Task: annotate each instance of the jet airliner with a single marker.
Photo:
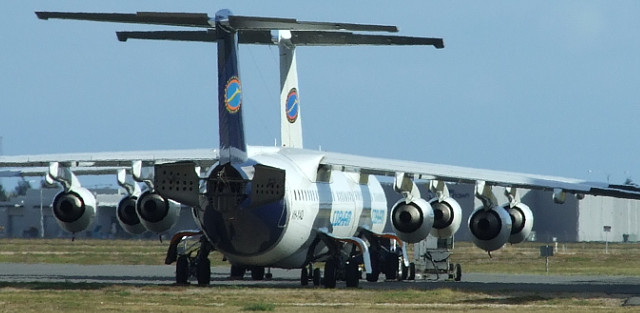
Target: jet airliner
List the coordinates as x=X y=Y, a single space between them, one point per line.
x=286 y=206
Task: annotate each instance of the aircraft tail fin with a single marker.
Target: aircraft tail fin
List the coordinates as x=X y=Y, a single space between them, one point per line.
x=230 y=30
x=290 y=121
x=233 y=147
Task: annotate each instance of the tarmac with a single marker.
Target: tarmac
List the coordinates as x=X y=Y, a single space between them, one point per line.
x=165 y=275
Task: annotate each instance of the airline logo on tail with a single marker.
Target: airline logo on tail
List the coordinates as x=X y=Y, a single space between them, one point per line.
x=292 y=105
x=233 y=95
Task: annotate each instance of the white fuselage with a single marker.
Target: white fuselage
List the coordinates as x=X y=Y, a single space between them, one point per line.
x=331 y=201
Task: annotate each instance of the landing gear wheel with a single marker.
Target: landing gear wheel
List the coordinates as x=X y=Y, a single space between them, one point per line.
x=330 y=272
x=412 y=271
x=391 y=267
x=182 y=270
x=317 y=277
x=404 y=272
x=257 y=273
x=237 y=272
x=203 y=272
x=458 y=273
x=373 y=277
x=352 y=275
x=304 y=277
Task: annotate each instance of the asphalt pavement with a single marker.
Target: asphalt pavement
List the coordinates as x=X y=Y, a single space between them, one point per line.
x=165 y=275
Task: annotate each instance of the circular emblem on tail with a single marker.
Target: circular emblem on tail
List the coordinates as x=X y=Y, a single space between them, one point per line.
x=292 y=105
x=233 y=95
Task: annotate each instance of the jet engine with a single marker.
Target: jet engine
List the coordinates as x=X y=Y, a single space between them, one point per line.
x=490 y=228
x=448 y=216
x=156 y=213
x=521 y=220
x=412 y=220
x=74 y=209
x=127 y=216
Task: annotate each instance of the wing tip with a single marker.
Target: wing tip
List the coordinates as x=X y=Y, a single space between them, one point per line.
x=42 y=15
x=122 y=36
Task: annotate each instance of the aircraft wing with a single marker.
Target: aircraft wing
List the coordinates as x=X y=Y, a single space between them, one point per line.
x=456 y=174
x=93 y=163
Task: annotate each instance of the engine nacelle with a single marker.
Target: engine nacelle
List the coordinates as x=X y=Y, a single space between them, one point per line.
x=521 y=222
x=412 y=221
x=447 y=217
x=75 y=209
x=156 y=213
x=127 y=216
x=490 y=229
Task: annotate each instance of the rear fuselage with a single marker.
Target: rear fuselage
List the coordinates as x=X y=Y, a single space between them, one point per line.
x=280 y=232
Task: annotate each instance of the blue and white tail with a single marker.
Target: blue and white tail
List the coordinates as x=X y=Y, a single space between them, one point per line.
x=231 y=128
x=290 y=121
x=228 y=31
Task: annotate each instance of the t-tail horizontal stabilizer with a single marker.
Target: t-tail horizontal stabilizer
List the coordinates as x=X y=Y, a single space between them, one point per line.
x=234 y=22
x=228 y=31
x=298 y=38
x=250 y=29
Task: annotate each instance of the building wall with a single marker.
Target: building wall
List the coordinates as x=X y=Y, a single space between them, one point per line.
x=596 y=212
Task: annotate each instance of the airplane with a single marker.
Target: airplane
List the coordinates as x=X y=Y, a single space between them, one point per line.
x=290 y=207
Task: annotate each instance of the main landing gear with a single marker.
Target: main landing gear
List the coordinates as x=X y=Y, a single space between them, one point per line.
x=345 y=255
x=182 y=248
x=257 y=272
x=334 y=271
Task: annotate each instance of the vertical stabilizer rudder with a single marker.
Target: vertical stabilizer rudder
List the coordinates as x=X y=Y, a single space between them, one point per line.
x=290 y=123
x=232 y=144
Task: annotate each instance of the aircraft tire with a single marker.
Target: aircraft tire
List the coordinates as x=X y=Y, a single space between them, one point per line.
x=304 y=277
x=352 y=275
x=257 y=273
x=391 y=267
x=237 y=272
x=182 y=270
x=404 y=272
x=203 y=272
x=457 y=276
x=412 y=271
x=373 y=277
x=317 y=277
x=330 y=272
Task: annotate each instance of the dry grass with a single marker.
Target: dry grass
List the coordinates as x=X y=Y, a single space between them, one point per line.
x=570 y=259
x=99 y=298
x=87 y=251
x=587 y=259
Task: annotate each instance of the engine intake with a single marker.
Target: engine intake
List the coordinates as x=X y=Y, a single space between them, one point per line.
x=156 y=213
x=522 y=222
x=412 y=220
x=490 y=228
x=127 y=216
x=448 y=216
x=75 y=209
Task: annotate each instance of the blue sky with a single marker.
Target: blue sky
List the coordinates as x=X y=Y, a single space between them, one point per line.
x=534 y=87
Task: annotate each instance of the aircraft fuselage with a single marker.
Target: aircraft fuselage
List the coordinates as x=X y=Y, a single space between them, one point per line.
x=280 y=231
